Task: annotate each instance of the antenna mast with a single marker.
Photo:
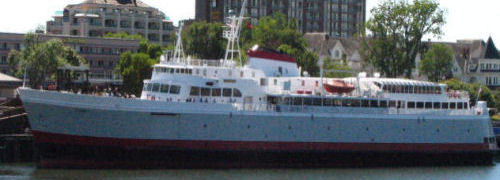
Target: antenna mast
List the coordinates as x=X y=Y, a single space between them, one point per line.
x=233 y=35
x=179 y=50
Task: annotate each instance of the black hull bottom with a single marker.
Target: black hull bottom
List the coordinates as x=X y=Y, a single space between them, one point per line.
x=92 y=157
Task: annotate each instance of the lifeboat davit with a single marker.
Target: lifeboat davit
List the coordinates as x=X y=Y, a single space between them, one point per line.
x=339 y=87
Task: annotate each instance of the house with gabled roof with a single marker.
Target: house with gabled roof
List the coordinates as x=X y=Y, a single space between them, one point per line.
x=345 y=50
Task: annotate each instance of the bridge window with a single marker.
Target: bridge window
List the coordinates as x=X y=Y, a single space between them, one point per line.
x=307 y=101
x=356 y=103
x=460 y=105
x=297 y=101
x=149 y=87
x=195 y=91
x=365 y=103
x=156 y=87
x=420 y=105
x=145 y=87
x=164 y=88
x=453 y=105
x=177 y=71
x=428 y=105
x=374 y=103
x=411 y=105
x=466 y=105
x=174 y=89
x=328 y=102
x=437 y=105
x=444 y=105
x=216 y=92
x=226 y=92
x=317 y=101
x=236 y=93
x=383 y=104
x=392 y=103
x=205 y=91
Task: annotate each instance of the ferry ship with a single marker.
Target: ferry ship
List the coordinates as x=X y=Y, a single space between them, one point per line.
x=217 y=113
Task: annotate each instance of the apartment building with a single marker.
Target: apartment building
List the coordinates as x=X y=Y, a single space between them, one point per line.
x=96 y=18
x=102 y=54
x=337 y=18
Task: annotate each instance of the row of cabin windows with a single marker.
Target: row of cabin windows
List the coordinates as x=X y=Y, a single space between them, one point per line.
x=438 y=105
x=190 y=71
x=412 y=89
x=162 y=88
x=173 y=70
x=215 y=92
x=298 y=101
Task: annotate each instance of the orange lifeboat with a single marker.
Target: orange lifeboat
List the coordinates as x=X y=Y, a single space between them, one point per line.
x=339 y=87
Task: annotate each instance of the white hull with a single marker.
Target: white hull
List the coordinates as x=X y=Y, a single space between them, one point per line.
x=87 y=116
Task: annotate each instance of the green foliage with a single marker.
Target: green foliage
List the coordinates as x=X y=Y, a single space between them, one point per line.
x=41 y=59
x=276 y=33
x=338 y=69
x=437 y=62
x=204 y=40
x=486 y=95
x=397 y=28
x=135 y=67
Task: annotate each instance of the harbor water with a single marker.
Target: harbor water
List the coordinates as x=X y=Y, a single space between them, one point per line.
x=29 y=171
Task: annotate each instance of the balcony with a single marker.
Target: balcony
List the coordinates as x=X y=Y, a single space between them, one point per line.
x=55 y=23
x=490 y=70
x=125 y=24
x=138 y=25
x=110 y=23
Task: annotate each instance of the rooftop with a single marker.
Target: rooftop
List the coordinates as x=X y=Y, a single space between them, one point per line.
x=137 y=3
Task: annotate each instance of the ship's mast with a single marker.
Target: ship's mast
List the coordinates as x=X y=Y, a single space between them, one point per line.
x=179 y=50
x=233 y=35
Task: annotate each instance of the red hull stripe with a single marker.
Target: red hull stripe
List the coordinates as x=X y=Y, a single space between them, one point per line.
x=271 y=56
x=43 y=137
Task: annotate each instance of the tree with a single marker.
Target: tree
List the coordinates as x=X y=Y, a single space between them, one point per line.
x=397 y=28
x=338 y=69
x=41 y=59
x=275 y=32
x=472 y=89
x=437 y=62
x=135 y=67
x=204 y=40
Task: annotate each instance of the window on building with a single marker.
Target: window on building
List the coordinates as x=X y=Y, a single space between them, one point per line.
x=3 y=60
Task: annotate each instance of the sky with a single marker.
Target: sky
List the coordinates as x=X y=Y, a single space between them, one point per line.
x=476 y=19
